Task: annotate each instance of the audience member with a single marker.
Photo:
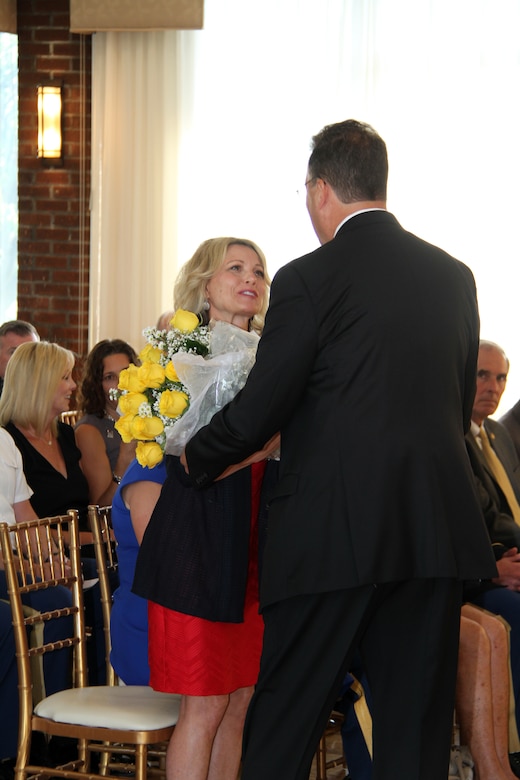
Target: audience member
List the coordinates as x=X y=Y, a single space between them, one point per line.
x=482 y=701
x=367 y=365
x=483 y=692
x=104 y=457
x=132 y=507
x=511 y=421
x=164 y=321
x=8 y=694
x=12 y=334
x=16 y=507
x=37 y=389
x=495 y=465
x=197 y=563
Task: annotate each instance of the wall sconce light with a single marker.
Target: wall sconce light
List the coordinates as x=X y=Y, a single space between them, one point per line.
x=49 y=122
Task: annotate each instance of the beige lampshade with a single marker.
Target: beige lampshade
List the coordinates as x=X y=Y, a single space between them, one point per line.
x=8 y=16
x=88 y=16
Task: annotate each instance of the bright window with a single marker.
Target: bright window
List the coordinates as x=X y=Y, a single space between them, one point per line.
x=8 y=175
x=240 y=101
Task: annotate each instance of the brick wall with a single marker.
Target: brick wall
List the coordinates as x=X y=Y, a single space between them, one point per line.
x=54 y=231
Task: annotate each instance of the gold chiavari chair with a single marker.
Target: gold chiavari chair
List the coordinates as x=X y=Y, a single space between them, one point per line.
x=106 y=559
x=70 y=418
x=35 y=557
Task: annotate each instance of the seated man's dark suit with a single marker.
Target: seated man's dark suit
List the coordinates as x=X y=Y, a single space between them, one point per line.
x=504 y=534
x=511 y=421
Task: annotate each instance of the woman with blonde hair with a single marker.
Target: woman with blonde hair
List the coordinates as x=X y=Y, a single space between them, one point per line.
x=38 y=387
x=191 y=286
x=198 y=561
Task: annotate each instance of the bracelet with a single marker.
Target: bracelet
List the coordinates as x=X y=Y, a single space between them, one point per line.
x=116 y=479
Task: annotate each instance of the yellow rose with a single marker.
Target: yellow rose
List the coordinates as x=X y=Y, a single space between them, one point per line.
x=150 y=354
x=172 y=403
x=151 y=374
x=146 y=428
x=171 y=373
x=185 y=321
x=148 y=453
x=124 y=427
x=130 y=403
x=129 y=379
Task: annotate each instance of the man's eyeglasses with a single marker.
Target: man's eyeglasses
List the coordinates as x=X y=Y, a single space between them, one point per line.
x=305 y=184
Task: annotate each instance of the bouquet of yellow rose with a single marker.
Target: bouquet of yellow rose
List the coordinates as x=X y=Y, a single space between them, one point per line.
x=187 y=374
x=151 y=396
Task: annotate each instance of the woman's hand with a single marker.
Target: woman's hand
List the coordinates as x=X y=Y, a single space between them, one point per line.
x=270 y=449
x=96 y=466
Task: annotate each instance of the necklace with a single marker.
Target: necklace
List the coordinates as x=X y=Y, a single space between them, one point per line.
x=49 y=442
x=109 y=417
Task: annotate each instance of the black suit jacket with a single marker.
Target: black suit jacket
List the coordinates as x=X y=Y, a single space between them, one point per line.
x=502 y=528
x=370 y=341
x=511 y=421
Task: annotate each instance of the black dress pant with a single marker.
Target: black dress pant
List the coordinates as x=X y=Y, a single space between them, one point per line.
x=407 y=636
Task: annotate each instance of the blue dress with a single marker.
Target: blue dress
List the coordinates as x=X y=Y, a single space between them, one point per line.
x=129 y=617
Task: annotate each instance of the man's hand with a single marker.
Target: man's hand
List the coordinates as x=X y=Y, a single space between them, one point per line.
x=509 y=570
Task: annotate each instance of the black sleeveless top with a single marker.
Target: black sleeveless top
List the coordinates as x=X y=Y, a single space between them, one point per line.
x=53 y=493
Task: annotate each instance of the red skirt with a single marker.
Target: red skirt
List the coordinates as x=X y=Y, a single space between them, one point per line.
x=197 y=657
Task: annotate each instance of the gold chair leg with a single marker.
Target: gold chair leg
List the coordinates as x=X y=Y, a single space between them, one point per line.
x=321 y=759
x=140 y=762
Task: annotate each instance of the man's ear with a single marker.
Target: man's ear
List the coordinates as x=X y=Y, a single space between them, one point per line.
x=322 y=193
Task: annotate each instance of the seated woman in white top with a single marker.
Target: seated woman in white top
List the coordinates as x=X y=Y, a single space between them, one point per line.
x=14 y=490
x=16 y=507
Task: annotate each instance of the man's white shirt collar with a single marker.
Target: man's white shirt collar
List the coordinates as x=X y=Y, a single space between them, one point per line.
x=475 y=428
x=361 y=211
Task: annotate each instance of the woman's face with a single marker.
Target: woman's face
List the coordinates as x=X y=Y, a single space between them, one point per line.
x=64 y=390
x=112 y=367
x=236 y=291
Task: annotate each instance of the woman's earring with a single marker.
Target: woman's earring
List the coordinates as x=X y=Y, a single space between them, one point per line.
x=205 y=306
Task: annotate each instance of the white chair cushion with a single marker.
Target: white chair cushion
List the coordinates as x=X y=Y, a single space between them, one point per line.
x=130 y=707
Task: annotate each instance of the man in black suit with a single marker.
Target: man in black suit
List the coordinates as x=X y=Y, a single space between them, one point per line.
x=500 y=494
x=492 y=371
x=367 y=366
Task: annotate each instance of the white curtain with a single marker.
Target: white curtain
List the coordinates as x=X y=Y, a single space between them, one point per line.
x=134 y=181
x=217 y=139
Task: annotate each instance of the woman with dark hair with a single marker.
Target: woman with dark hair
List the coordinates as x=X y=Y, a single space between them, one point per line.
x=104 y=457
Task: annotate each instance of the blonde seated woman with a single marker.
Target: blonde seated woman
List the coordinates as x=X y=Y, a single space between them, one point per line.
x=483 y=693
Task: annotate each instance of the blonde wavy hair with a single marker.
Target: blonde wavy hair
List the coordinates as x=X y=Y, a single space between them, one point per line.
x=31 y=379
x=190 y=286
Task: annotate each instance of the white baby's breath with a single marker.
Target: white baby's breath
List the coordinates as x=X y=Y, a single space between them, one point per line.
x=211 y=363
